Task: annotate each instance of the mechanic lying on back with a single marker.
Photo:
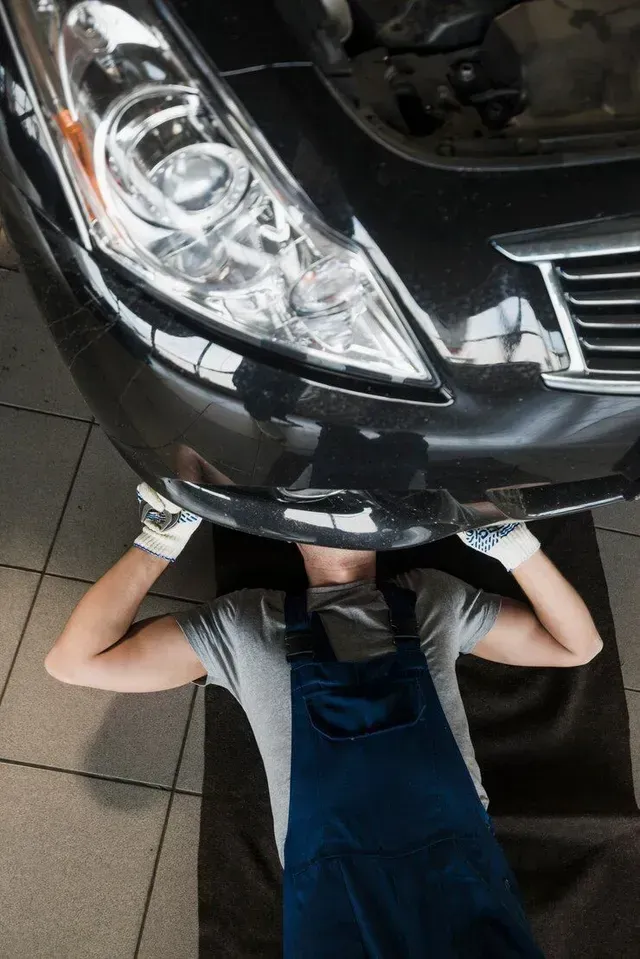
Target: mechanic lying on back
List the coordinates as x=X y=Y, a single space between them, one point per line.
x=389 y=851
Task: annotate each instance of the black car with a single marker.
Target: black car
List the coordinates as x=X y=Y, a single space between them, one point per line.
x=360 y=272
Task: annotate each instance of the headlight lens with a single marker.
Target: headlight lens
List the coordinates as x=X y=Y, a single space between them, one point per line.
x=176 y=189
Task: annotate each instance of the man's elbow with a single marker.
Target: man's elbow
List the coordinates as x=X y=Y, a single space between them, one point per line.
x=594 y=647
x=63 y=669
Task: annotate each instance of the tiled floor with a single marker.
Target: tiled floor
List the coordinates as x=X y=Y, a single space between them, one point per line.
x=100 y=793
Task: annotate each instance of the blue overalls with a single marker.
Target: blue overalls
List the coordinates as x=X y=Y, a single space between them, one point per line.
x=389 y=852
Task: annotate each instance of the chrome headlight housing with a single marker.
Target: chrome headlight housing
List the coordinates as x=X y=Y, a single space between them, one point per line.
x=173 y=183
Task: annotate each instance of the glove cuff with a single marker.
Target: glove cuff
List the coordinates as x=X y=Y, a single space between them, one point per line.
x=516 y=548
x=159 y=544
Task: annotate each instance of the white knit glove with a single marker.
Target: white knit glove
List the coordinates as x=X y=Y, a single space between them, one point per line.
x=510 y=544
x=166 y=528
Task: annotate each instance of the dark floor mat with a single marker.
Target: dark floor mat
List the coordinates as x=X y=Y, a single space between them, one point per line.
x=553 y=746
x=239 y=900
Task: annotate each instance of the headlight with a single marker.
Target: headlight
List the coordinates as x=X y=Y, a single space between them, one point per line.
x=176 y=188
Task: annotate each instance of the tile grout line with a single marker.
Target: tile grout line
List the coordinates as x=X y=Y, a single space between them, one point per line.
x=192 y=707
x=154 y=871
x=46 y=560
x=84 y=774
x=33 y=409
x=622 y=532
x=90 y=582
x=20 y=569
x=102 y=777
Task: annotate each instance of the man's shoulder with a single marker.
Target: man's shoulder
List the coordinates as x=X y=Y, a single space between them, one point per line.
x=248 y=601
x=241 y=616
x=436 y=590
x=425 y=577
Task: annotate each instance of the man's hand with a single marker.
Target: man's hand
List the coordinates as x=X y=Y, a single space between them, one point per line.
x=511 y=544
x=166 y=528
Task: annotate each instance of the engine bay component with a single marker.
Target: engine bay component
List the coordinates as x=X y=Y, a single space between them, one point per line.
x=339 y=13
x=568 y=60
x=497 y=81
x=440 y=24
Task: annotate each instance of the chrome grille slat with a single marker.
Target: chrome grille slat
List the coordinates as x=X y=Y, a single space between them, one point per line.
x=614 y=345
x=614 y=298
x=608 y=322
x=594 y=274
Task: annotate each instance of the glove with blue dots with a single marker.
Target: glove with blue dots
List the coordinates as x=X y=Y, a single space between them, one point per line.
x=511 y=544
x=166 y=528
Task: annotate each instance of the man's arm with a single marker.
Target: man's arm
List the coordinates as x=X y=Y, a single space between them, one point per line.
x=99 y=646
x=558 y=632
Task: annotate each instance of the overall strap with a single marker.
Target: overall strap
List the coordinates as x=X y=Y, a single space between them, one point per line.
x=402 y=615
x=305 y=637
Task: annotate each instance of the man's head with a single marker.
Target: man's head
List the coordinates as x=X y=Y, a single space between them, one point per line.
x=326 y=566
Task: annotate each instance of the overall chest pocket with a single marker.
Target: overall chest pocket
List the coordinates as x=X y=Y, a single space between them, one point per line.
x=350 y=712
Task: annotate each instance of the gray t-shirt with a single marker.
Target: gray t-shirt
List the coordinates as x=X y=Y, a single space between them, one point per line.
x=239 y=640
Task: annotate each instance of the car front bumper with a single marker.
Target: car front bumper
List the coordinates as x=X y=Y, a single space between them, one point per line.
x=362 y=519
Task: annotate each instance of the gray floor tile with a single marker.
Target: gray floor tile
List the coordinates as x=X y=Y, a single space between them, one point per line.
x=621 y=561
x=77 y=857
x=633 y=704
x=44 y=721
x=102 y=521
x=171 y=929
x=16 y=592
x=37 y=460
x=192 y=765
x=32 y=373
x=621 y=516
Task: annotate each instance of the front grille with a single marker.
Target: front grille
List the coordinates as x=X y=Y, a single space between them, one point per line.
x=602 y=294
